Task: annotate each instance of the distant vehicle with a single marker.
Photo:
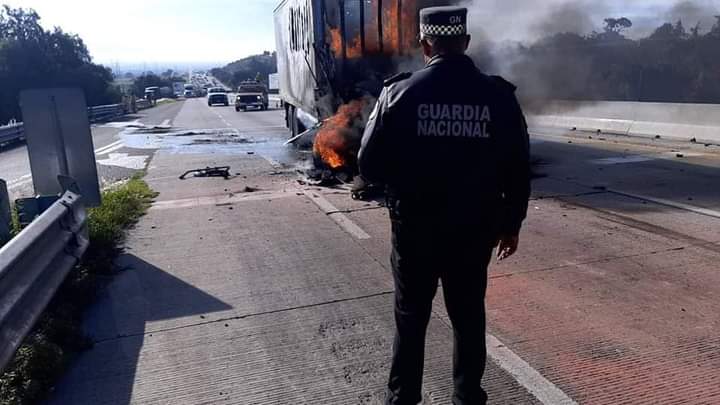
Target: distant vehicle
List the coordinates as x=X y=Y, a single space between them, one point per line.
x=152 y=93
x=212 y=90
x=250 y=93
x=178 y=88
x=250 y=100
x=165 y=92
x=189 y=90
x=218 y=98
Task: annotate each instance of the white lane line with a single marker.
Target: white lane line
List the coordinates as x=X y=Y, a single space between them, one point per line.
x=102 y=149
x=109 y=150
x=331 y=211
x=623 y=159
x=165 y=123
x=669 y=203
x=25 y=179
x=19 y=180
x=219 y=200
x=545 y=391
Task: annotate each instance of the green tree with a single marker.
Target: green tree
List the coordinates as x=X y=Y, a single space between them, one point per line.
x=32 y=57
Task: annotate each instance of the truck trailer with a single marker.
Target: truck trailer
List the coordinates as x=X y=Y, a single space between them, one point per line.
x=333 y=53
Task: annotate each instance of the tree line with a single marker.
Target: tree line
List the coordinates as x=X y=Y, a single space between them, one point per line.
x=33 y=57
x=672 y=64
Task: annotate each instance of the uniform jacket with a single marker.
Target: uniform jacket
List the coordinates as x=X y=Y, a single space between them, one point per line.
x=451 y=144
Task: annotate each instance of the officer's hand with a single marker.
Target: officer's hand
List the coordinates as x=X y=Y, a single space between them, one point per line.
x=507 y=246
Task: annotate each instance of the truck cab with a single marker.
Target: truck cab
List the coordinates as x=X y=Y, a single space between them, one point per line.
x=251 y=94
x=244 y=101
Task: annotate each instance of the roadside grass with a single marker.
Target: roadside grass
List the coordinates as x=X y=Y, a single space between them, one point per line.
x=58 y=336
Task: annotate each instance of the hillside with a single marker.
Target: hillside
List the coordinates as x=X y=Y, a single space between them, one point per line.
x=252 y=67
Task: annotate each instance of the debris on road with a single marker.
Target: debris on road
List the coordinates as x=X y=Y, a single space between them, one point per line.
x=220 y=171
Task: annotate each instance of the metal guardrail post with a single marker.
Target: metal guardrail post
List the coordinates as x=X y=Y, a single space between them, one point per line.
x=34 y=264
x=5 y=213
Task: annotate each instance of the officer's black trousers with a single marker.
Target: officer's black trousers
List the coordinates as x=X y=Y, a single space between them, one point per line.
x=458 y=256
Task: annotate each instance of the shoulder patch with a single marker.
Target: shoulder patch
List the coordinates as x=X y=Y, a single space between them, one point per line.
x=504 y=83
x=396 y=78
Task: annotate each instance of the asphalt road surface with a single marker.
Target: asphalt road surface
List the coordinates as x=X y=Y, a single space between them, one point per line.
x=258 y=289
x=115 y=160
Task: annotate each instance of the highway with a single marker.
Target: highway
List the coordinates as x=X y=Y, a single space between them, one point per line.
x=110 y=152
x=258 y=289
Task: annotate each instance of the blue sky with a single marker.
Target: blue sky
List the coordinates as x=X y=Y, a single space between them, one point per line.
x=162 y=32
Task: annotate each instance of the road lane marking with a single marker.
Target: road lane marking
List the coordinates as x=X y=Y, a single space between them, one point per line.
x=623 y=160
x=165 y=123
x=219 y=200
x=124 y=160
x=540 y=387
x=669 y=203
x=25 y=179
x=337 y=216
x=19 y=180
x=109 y=150
x=102 y=149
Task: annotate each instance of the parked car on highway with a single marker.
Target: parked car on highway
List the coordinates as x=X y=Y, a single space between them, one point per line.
x=218 y=98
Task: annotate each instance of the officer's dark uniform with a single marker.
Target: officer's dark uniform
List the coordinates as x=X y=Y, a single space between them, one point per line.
x=451 y=144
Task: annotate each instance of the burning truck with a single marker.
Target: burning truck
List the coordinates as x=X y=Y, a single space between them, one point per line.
x=333 y=56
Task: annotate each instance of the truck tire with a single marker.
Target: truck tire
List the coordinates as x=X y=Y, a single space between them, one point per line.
x=237 y=109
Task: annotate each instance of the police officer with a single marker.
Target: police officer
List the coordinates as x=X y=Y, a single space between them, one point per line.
x=451 y=145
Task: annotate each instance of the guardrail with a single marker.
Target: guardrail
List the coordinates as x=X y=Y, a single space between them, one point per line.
x=105 y=112
x=14 y=132
x=34 y=264
x=11 y=133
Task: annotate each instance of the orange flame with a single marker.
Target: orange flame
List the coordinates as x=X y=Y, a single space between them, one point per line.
x=332 y=142
x=390 y=29
x=410 y=23
x=353 y=48
x=336 y=41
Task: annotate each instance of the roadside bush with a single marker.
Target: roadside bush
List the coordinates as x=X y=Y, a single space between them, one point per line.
x=58 y=336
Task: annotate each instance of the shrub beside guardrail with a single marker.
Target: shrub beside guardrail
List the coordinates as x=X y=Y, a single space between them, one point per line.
x=34 y=264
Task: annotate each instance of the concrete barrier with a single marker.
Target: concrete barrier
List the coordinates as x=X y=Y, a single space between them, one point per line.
x=667 y=120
